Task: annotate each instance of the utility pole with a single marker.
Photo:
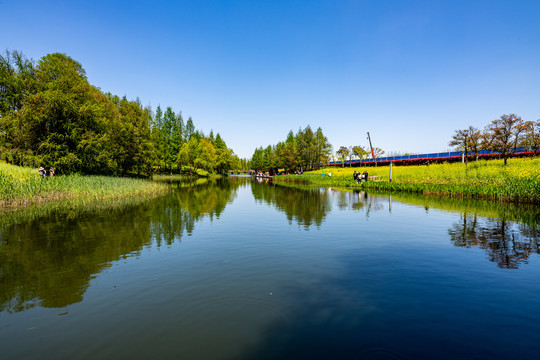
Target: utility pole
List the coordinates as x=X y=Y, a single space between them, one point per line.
x=371 y=146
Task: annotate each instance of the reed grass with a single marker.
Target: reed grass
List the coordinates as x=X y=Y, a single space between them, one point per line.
x=22 y=186
x=519 y=181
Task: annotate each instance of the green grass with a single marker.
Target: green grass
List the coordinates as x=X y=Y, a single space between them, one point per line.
x=519 y=181
x=21 y=186
x=200 y=174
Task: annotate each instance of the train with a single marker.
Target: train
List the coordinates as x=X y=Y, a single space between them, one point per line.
x=450 y=156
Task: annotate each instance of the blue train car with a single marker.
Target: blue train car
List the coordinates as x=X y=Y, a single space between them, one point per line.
x=430 y=157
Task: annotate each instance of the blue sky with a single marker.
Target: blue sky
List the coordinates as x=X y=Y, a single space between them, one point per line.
x=409 y=72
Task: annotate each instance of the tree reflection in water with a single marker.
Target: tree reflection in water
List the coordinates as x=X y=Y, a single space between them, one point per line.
x=309 y=206
x=49 y=261
x=305 y=206
x=508 y=244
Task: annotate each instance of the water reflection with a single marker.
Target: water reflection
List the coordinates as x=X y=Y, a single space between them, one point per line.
x=509 y=233
x=305 y=206
x=507 y=244
x=50 y=260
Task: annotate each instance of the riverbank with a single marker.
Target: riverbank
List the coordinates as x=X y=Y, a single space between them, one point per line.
x=199 y=174
x=487 y=179
x=22 y=186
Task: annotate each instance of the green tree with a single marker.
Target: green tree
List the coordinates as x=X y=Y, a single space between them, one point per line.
x=169 y=121
x=342 y=154
x=135 y=136
x=257 y=159
x=290 y=157
x=17 y=82
x=378 y=152
x=360 y=152
x=65 y=123
x=190 y=129
x=323 y=148
x=306 y=148
x=189 y=152
x=178 y=133
x=158 y=137
x=206 y=158
x=225 y=158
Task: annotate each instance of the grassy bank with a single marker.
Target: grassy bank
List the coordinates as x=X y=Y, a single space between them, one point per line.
x=200 y=174
x=519 y=181
x=20 y=186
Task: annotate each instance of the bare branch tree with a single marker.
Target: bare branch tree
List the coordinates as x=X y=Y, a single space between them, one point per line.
x=460 y=140
x=504 y=134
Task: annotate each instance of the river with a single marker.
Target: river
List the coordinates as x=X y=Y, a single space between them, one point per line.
x=236 y=269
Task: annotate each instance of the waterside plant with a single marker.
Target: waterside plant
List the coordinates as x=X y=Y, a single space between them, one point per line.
x=519 y=181
x=23 y=186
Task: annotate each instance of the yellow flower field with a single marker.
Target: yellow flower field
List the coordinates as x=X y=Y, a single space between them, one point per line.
x=519 y=181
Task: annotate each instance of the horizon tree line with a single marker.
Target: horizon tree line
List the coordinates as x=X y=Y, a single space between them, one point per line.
x=503 y=135
x=358 y=152
x=303 y=151
x=50 y=115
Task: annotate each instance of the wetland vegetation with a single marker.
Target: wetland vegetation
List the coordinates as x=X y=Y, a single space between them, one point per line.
x=518 y=181
x=23 y=186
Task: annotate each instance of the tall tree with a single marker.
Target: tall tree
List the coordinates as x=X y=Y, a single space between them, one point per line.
x=177 y=133
x=51 y=115
x=257 y=161
x=190 y=129
x=169 y=121
x=290 y=153
x=378 y=152
x=206 y=158
x=342 y=154
x=360 y=152
x=306 y=148
x=460 y=140
x=158 y=137
x=189 y=152
x=475 y=141
x=505 y=134
x=17 y=82
x=225 y=158
x=531 y=138
x=134 y=134
x=65 y=122
x=323 y=148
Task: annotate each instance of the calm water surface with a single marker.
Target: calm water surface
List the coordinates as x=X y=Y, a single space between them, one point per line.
x=241 y=270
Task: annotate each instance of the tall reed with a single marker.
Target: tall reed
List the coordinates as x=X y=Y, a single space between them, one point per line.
x=21 y=186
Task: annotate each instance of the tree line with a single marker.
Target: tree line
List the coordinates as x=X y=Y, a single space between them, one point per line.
x=503 y=135
x=50 y=115
x=358 y=152
x=304 y=151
